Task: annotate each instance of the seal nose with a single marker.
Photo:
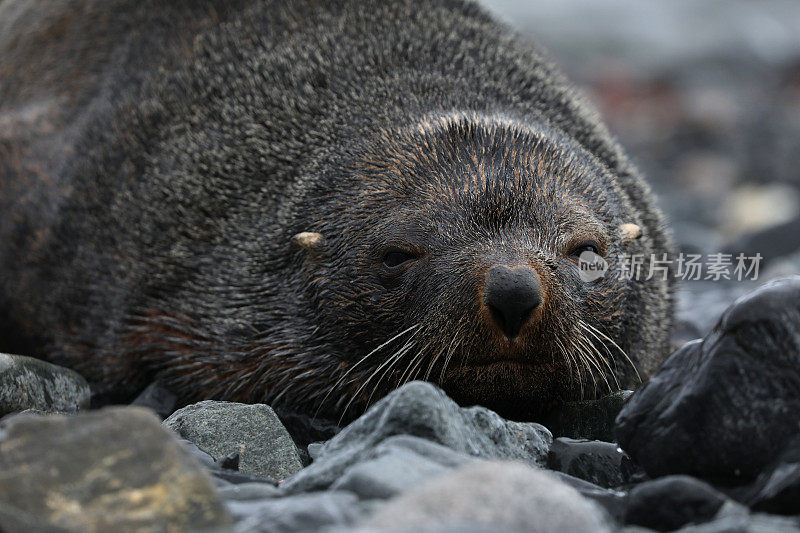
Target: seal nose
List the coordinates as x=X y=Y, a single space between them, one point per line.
x=512 y=294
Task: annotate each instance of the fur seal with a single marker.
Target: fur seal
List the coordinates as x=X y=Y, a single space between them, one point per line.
x=309 y=203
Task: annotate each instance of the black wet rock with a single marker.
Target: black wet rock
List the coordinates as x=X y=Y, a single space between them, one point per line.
x=672 y=502
x=300 y=513
x=599 y=462
x=777 y=489
x=508 y=495
x=220 y=428
x=725 y=407
x=589 y=419
x=159 y=398
x=306 y=429
x=28 y=383
x=112 y=469
x=423 y=410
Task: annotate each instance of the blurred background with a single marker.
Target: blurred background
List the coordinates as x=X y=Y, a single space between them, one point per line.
x=705 y=97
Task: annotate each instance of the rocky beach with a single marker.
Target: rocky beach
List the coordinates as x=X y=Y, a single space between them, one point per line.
x=708 y=104
x=710 y=443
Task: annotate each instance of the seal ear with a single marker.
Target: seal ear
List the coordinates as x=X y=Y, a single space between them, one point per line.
x=630 y=232
x=312 y=242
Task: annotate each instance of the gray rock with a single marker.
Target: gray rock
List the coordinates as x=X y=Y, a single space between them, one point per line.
x=423 y=410
x=112 y=469
x=220 y=428
x=590 y=419
x=28 y=383
x=733 y=518
x=503 y=494
x=397 y=464
x=726 y=407
x=300 y=513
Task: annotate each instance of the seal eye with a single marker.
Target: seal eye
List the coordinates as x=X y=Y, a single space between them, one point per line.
x=395 y=258
x=587 y=246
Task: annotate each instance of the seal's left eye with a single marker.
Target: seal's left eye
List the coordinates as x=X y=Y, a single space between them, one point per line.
x=588 y=246
x=396 y=257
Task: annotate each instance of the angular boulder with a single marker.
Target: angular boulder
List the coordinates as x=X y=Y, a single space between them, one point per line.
x=266 y=450
x=723 y=408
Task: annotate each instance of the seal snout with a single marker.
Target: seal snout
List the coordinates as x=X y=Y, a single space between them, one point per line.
x=512 y=294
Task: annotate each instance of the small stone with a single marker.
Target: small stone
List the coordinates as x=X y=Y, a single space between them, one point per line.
x=157 y=397
x=671 y=502
x=305 y=428
x=503 y=494
x=230 y=461
x=601 y=463
x=106 y=470
x=28 y=383
x=315 y=449
x=725 y=407
x=421 y=409
x=590 y=419
x=266 y=449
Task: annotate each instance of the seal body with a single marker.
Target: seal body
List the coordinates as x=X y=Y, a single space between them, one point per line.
x=309 y=203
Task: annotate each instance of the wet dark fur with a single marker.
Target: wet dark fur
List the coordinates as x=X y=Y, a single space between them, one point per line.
x=157 y=158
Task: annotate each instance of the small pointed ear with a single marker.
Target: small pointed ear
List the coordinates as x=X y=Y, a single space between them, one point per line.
x=630 y=232
x=309 y=241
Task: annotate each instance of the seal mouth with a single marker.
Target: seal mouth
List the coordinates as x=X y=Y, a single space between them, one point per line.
x=509 y=363
x=514 y=388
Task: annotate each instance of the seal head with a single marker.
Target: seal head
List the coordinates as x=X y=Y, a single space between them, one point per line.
x=454 y=258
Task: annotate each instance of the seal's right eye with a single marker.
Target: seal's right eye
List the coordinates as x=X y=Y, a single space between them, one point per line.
x=396 y=257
